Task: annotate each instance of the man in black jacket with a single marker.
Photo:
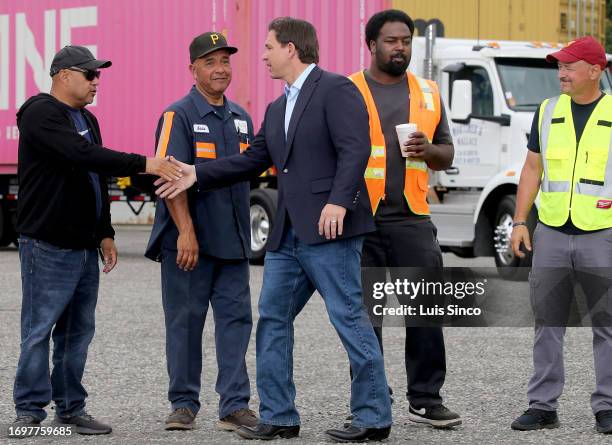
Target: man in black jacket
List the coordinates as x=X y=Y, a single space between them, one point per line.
x=63 y=216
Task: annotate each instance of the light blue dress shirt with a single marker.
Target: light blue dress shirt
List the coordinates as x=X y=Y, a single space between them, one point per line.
x=292 y=92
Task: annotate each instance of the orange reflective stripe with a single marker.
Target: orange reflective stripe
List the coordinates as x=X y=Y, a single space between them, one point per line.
x=206 y=150
x=427 y=120
x=164 y=135
x=425 y=111
x=376 y=162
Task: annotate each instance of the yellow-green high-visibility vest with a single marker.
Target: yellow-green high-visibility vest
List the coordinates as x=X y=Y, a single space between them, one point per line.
x=577 y=178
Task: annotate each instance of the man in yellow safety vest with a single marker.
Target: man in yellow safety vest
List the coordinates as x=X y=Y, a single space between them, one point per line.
x=569 y=163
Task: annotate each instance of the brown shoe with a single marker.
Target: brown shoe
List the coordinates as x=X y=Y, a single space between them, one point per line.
x=241 y=417
x=180 y=419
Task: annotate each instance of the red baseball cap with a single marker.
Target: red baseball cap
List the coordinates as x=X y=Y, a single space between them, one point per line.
x=585 y=48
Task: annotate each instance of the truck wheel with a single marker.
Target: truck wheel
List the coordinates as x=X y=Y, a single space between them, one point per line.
x=263 y=212
x=7 y=227
x=509 y=266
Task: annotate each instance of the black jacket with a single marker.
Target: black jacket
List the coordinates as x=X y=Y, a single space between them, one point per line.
x=56 y=199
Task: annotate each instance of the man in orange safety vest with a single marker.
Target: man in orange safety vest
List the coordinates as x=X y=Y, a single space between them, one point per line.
x=397 y=183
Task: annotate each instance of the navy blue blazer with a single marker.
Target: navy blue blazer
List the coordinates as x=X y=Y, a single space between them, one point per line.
x=322 y=160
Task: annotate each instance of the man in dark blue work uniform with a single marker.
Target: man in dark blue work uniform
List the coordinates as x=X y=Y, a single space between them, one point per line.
x=203 y=243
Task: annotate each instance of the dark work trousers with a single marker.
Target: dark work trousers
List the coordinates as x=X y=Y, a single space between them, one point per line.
x=411 y=246
x=224 y=284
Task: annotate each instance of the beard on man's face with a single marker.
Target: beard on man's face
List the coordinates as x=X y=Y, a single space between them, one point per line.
x=395 y=66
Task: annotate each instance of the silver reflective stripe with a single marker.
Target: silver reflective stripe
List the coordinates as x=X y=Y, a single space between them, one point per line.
x=375 y=173
x=378 y=151
x=427 y=93
x=555 y=186
x=417 y=165
x=424 y=85
x=605 y=190
x=546 y=119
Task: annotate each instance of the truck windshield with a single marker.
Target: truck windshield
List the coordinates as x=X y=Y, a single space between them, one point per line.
x=527 y=82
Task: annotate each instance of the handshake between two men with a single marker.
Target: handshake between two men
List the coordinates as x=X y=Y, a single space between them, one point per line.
x=330 y=223
x=172 y=184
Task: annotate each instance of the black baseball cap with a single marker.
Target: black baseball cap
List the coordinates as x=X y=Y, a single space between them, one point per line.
x=207 y=43
x=77 y=56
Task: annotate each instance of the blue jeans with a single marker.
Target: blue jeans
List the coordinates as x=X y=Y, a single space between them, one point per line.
x=60 y=291
x=291 y=275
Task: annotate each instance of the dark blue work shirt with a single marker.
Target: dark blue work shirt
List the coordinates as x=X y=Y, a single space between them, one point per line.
x=84 y=130
x=195 y=132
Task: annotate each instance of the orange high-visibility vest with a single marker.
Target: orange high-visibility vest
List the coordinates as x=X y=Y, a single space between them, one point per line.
x=425 y=112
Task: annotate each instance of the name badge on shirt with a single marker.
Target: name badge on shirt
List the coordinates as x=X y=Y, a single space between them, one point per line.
x=200 y=128
x=241 y=126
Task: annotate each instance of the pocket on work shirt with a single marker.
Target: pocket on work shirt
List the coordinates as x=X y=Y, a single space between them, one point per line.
x=596 y=164
x=557 y=158
x=205 y=148
x=244 y=141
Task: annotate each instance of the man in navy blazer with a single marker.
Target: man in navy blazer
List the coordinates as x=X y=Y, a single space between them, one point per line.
x=317 y=136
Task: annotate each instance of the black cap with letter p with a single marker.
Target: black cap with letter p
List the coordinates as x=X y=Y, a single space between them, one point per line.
x=207 y=43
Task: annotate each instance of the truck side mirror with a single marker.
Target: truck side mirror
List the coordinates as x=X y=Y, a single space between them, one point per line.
x=461 y=102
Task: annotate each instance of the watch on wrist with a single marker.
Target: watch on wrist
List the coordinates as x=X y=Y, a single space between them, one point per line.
x=519 y=223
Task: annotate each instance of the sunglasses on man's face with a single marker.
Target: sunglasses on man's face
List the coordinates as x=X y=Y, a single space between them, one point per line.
x=89 y=74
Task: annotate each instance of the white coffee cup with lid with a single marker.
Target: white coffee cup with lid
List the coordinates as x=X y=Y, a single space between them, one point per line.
x=403 y=134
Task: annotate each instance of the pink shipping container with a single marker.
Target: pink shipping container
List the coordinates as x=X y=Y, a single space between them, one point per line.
x=147 y=41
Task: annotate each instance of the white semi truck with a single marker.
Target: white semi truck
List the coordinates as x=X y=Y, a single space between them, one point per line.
x=491 y=91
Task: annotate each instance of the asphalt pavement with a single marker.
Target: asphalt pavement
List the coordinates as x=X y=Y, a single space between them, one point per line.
x=488 y=368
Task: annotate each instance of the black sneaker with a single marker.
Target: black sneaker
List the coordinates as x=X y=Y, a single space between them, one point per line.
x=20 y=427
x=437 y=416
x=536 y=419
x=603 y=421
x=85 y=424
x=180 y=419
